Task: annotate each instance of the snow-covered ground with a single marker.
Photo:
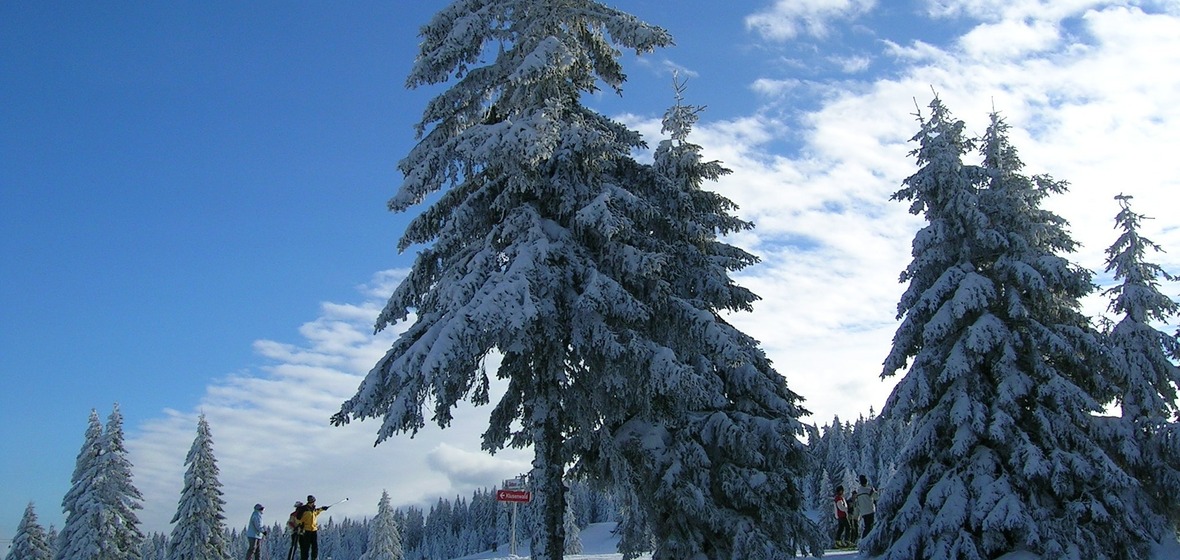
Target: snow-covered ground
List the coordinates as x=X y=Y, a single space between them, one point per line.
x=598 y=543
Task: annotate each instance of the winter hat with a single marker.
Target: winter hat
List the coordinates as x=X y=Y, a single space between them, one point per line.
x=298 y=503
x=310 y=499
x=257 y=506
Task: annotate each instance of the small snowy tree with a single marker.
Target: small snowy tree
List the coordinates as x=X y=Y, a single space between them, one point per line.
x=412 y=522
x=30 y=541
x=573 y=534
x=826 y=505
x=633 y=530
x=51 y=537
x=199 y=530
x=385 y=541
x=77 y=540
x=1004 y=374
x=155 y=547
x=1147 y=380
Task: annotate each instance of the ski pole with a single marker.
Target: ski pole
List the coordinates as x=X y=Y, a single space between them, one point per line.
x=340 y=502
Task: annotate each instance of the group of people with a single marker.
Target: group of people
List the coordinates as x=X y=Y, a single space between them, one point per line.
x=303 y=524
x=854 y=516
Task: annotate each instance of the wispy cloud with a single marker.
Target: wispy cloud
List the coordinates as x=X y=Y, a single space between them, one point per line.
x=788 y=19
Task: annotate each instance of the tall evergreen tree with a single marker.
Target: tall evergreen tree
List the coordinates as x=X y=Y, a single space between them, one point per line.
x=100 y=505
x=199 y=530
x=532 y=250
x=1147 y=380
x=30 y=541
x=1003 y=377
x=712 y=445
x=119 y=536
x=78 y=537
x=385 y=541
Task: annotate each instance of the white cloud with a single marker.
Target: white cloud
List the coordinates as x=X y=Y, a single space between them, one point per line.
x=775 y=88
x=853 y=64
x=996 y=10
x=1009 y=39
x=666 y=67
x=788 y=19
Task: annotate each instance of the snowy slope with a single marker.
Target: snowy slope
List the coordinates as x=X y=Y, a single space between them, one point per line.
x=599 y=544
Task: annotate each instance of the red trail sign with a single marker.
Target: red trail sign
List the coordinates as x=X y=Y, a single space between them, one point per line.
x=513 y=495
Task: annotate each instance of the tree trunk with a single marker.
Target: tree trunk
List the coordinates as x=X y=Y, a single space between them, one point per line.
x=548 y=474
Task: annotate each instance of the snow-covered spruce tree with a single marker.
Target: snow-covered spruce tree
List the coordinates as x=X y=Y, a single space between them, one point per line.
x=199 y=530
x=119 y=536
x=840 y=459
x=708 y=437
x=155 y=547
x=385 y=541
x=438 y=536
x=483 y=517
x=1147 y=380
x=100 y=505
x=77 y=539
x=412 y=525
x=579 y=499
x=1097 y=514
x=825 y=505
x=633 y=529
x=1003 y=375
x=30 y=541
x=514 y=255
x=573 y=534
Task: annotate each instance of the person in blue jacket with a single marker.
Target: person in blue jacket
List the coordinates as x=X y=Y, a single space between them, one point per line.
x=255 y=534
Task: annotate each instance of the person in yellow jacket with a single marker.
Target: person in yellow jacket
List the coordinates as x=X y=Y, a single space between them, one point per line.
x=309 y=523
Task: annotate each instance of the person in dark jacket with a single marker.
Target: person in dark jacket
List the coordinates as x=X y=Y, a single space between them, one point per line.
x=309 y=546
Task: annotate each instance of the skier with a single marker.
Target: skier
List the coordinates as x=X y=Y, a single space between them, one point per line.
x=866 y=504
x=295 y=528
x=309 y=546
x=853 y=519
x=255 y=534
x=842 y=528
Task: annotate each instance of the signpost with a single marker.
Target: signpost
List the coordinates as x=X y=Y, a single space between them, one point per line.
x=514 y=491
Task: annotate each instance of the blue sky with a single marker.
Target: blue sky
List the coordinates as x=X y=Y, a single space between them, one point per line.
x=192 y=207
